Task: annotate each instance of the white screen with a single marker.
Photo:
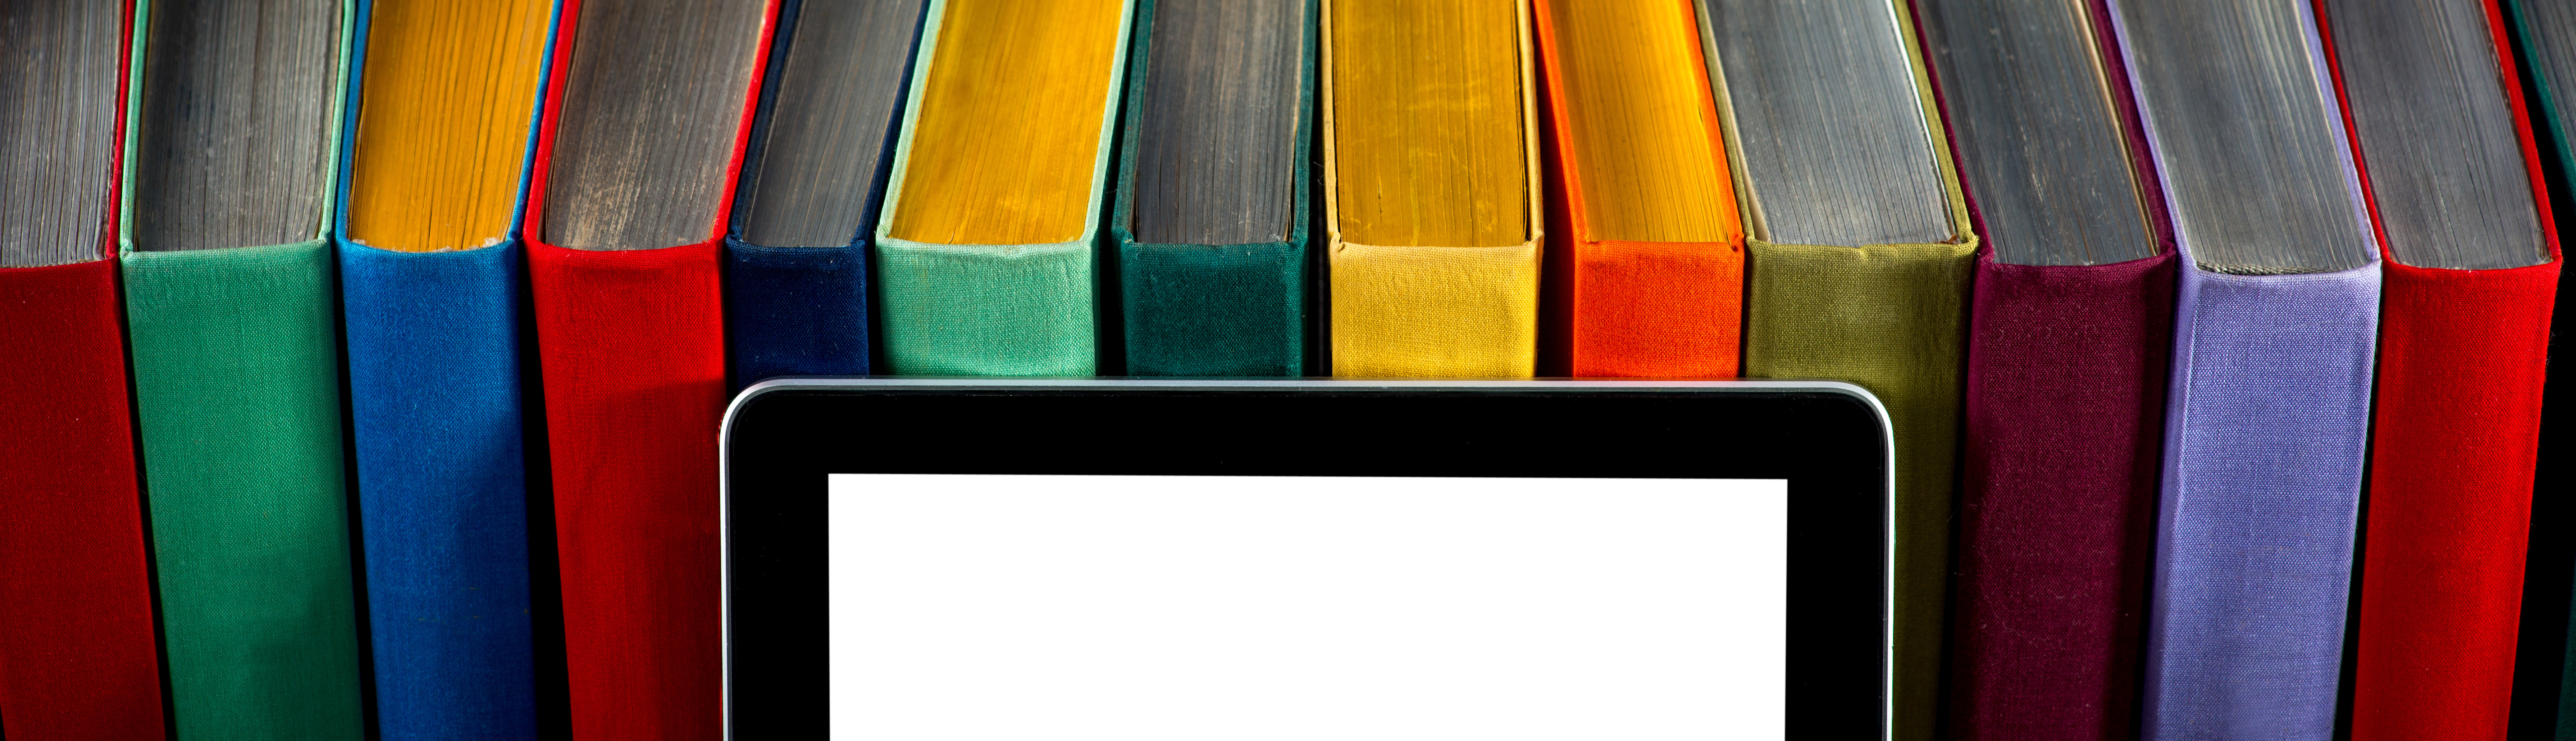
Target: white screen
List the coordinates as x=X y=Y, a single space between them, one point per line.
x=1214 y=608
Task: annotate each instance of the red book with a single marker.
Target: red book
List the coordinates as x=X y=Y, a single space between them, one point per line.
x=630 y=341
x=2454 y=442
x=78 y=658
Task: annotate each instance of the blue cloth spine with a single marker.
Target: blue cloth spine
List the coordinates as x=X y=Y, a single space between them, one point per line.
x=436 y=415
x=434 y=391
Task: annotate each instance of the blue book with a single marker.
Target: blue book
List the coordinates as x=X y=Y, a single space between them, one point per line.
x=431 y=268
x=796 y=268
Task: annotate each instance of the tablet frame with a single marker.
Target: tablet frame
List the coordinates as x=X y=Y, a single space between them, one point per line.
x=986 y=386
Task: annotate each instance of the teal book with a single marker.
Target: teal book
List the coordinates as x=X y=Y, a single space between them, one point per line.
x=1211 y=213
x=233 y=127
x=986 y=249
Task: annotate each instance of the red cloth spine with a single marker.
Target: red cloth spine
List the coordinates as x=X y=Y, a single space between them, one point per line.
x=78 y=658
x=632 y=351
x=2455 y=436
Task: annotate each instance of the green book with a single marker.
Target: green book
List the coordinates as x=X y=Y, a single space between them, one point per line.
x=230 y=163
x=1212 y=213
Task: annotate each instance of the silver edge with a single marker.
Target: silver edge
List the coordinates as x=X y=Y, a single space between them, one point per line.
x=1886 y=435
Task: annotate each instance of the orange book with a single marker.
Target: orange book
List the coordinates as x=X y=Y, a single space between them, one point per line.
x=1645 y=277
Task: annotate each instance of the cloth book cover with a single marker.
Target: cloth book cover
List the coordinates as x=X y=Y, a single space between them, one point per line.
x=2267 y=405
x=72 y=563
x=1892 y=318
x=793 y=311
x=1431 y=310
x=991 y=309
x=631 y=347
x=436 y=364
x=2057 y=481
x=1628 y=307
x=236 y=367
x=2454 y=442
x=1206 y=309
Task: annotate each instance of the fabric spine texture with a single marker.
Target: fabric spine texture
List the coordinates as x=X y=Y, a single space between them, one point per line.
x=985 y=309
x=434 y=389
x=632 y=349
x=2269 y=400
x=2057 y=498
x=796 y=311
x=1621 y=308
x=237 y=386
x=79 y=658
x=2455 y=441
x=1893 y=319
x=1210 y=310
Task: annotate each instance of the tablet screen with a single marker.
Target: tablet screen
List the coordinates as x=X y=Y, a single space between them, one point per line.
x=1298 y=607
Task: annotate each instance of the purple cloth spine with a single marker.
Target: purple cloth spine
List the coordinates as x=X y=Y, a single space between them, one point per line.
x=2267 y=416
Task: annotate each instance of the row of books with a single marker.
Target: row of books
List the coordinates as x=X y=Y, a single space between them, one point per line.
x=2147 y=287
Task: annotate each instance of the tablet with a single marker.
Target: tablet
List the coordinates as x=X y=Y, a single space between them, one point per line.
x=917 y=558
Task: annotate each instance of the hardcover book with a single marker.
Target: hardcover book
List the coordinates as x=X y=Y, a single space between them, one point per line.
x=1431 y=191
x=234 y=121
x=647 y=112
x=2069 y=326
x=1859 y=252
x=72 y=560
x=430 y=269
x=2268 y=400
x=986 y=264
x=1211 y=216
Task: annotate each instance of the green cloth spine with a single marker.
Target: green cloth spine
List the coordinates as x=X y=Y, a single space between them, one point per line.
x=237 y=394
x=991 y=309
x=1203 y=309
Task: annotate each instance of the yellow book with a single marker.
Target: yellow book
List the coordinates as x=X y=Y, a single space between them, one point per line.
x=1431 y=188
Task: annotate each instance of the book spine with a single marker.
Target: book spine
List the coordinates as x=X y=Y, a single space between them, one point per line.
x=2265 y=425
x=987 y=310
x=2456 y=439
x=237 y=386
x=796 y=311
x=1892 y=318
x=434 y=394
x=632 y=345
x=2057 y=496
x=78 y=658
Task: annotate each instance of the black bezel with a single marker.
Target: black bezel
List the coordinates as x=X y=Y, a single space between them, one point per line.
x=1828 y=440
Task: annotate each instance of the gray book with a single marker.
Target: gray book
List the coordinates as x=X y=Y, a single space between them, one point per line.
x=2437 y=130
x=646 y=127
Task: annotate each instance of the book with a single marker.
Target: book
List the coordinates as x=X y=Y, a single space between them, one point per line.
x=1212 y=212
x=2069 y=326
x=430 y=269
x=2544 y=42
x=1431 y=191
x=647 y=113
x=2267 y=408
x=1858 y=252
x=234 y=121
x=2469 y=254
x=796 y=288
x=1645 y=265
x=985 y=265
x=73 y=570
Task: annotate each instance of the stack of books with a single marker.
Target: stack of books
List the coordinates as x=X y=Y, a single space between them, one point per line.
x=2214 y=334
